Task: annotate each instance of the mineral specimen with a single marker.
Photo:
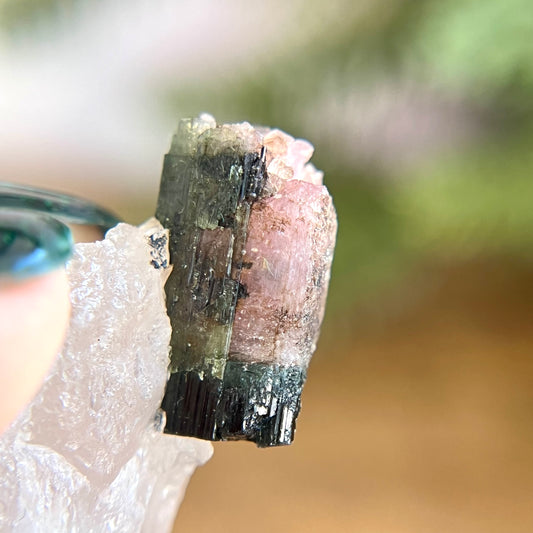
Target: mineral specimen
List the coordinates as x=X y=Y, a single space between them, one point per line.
x=252 y=232
x=89 y=454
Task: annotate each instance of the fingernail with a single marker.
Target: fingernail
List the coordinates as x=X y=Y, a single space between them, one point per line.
x=69 y=208
x=31 y=243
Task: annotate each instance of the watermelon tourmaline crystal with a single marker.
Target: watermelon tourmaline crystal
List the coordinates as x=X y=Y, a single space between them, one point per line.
x=252 y=232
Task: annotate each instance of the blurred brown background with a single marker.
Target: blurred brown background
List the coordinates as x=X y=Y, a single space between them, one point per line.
x=412 y=421
x=417 y=412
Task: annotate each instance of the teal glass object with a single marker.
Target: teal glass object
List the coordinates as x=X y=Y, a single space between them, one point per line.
x=34 y=235
x=32 y=243
x=70 y=209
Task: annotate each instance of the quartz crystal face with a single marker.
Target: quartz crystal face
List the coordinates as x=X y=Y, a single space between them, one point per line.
x=88 y=453
x=252 y=232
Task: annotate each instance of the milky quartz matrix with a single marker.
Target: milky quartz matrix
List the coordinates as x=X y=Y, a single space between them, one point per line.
x=88 y=454
x=252 y=232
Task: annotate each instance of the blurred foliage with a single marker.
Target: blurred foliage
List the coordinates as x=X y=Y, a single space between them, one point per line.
x=371 y=254
x=30 y=16
x=471 y=203
x=478 y=46
x=472 y=199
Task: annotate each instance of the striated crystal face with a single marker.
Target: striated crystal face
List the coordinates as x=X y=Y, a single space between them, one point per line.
x=88 y=454
x=288 y=255
x=252 y=232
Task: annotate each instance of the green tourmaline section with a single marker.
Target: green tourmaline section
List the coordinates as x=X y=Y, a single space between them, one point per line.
x=204 y=200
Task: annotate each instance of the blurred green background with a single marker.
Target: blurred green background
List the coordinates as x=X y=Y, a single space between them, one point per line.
x=417 y=414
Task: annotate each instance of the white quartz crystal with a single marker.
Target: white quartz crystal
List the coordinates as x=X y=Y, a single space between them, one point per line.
x=88 y=455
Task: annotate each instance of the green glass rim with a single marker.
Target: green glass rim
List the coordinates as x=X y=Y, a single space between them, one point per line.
x=70 y=209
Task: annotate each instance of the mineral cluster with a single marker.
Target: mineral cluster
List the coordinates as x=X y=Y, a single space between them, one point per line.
x=252 y=232
x=89 y=453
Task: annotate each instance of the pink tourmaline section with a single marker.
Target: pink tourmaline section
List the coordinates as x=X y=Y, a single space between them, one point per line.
x=286 y=268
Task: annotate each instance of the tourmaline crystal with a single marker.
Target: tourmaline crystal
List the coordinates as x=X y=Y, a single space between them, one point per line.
x=252 y=231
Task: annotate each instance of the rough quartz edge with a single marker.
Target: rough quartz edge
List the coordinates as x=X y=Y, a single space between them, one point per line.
x=88 y=453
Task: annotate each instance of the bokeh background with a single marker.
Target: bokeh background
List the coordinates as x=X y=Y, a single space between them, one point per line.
x=417 y=414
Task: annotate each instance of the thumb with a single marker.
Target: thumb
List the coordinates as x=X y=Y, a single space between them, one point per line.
x=34 y=317
x=34 y=304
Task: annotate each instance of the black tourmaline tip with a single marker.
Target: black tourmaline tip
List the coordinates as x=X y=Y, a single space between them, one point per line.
x=253 y=401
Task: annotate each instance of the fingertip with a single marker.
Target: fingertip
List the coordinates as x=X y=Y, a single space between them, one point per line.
x=35 y=315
